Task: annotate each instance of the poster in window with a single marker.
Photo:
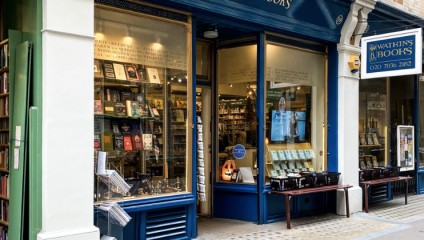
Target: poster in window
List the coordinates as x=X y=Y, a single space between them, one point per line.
x=405 y=147
x=287 y=123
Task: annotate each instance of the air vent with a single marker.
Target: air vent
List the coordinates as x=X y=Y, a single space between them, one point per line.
x=166 y=224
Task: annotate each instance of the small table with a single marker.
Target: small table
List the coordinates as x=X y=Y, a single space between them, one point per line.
x=384 y=180
x=291 y=193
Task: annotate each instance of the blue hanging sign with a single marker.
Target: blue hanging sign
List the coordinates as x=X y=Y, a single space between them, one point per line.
x=239 y=151
x=392 y=54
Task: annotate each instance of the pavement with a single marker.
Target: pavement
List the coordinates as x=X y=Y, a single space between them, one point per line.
x=387 y=220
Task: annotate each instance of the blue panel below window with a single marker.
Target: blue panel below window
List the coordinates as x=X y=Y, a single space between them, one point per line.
x=420 y=179
x=236 y=205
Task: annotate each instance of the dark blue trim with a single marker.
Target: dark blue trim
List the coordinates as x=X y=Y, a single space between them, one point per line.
x=296 y=43
x=156 y=199
x=201 y=83
x=228 y=187
x=160 y=205
x=260 y=113
x=193 y=208
x=333 y=106
x=417 y=124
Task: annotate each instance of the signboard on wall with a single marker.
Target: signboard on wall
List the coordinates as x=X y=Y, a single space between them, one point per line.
x=392 y=54
x=405 y=148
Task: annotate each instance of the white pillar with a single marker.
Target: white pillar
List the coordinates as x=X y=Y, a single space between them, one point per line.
x=67 y=145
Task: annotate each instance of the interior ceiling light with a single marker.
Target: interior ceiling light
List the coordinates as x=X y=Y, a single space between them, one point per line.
x=211 y=33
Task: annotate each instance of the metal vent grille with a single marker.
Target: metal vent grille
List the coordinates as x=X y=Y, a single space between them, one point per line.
x=296 y=43
x=237 y=41
x=136 y=7
x=166 y=224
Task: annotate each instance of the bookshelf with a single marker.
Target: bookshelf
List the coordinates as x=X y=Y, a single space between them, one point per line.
x=4 y=137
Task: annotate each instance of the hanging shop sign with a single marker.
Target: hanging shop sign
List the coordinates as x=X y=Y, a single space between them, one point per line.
x=392 y=54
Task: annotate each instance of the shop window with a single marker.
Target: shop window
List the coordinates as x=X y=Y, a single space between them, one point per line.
x=294 y=111
x=203 y=60
x=141 y=107
x=373 y=132
x=237 y=125
x=421 y=123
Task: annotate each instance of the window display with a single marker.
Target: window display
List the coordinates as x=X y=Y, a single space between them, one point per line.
x=237 y=125
x=294 y=111
x=373 y=123
x=141 y=108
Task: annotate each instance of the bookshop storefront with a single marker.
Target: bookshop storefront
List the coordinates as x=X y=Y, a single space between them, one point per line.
x=195 y=110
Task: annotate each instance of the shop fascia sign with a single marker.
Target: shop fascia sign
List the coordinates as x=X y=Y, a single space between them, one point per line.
x=392 y=54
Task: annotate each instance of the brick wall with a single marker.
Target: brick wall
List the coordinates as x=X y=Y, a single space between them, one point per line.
x=415 y=7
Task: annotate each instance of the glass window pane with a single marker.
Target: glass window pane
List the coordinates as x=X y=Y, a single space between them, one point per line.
x=202 y=60
x=421 y=124
x=295 y=109
x=237 y=114
x=373 y=141
x=140 y=106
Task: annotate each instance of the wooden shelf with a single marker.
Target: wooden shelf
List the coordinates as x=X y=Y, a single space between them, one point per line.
x=370 y=145
x=4 y=95
x=4 y=42
x=4 y=116
x=4 y=145
x=4 y=170
x=4 y=223
x=4 y=130
x=4 y=198
x=6 y=69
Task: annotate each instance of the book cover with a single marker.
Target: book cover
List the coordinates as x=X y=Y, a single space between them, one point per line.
x=144 y=110
x=281 y=155
x=288 y=155
x=98 y=107
x=159 y=104
x=374 y=161
x=307 y=154
x=137 y=143
x=135 y=126
x=109 y=107
x=106 y=141
x=312 y=153
x=120 y=109
x=274 y=156
x=113 y=95
x=362 y=138
x=108 y=70
x=294 y=155
x=127 y=142
x=276 y=166
x=147 y=141
x=375 y=138
x=119 y=71
x=131 y=72
x=119 y=142
x=98 y=72
x=124 y=126
x=156 y=113
x=97 y=142
x=179 y=115
x=147 y=127
x=126 y=96
x=115 y=127
x=132 y=109
x=153 y=75
x=139 y=97
x=301 y=154
x=369 y=138
x=143 y=75
x=105 y=125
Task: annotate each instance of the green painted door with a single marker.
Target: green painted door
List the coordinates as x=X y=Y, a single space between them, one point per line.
x=19 y=136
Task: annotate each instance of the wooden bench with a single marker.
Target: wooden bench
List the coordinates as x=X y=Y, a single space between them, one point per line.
x=367 y=184
x=291 y=193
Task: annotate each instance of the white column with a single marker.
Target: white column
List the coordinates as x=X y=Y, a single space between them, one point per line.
x=67 y=145
x=348 y=115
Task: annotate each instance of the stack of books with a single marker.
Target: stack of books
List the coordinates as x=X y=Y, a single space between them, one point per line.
x=4 y=56
x=115 y=213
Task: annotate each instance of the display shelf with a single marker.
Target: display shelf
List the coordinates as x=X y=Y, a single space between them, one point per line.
x=123 y=117
x=371 y=145
x=6 y=69
x=4 y=223
x=4 y=95
x=4 y=198
x=114 y=82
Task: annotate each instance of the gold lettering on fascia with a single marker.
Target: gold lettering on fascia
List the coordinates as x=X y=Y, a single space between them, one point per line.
x=401 y=48
x=284 y=3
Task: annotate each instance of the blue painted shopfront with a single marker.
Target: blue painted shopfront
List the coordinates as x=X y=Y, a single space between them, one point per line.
x=319 y=21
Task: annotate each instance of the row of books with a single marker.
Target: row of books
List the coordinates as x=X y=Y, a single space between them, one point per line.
x=3 y=233
x=4 y=106
x=130 y=109
x=5 y=184
x=4 y=56
x=4 y=123
x=4 y=82
x=129 y=142
x=4 y=210
x=4 y=138
x=125 y=126
x=4 y=159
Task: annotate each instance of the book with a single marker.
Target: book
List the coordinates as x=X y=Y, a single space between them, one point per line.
x=120 y=109
x=124 y=127
x=144 y=110
x=113 y=95
x=142 y=74
x=368 y=161
x=362 y=138
x=126 y=96
x=301 y=154
x=98 y=72
x=274 y=156
x=156 y=113
x=131 y=72
x=153 y=75
x=307 y=154
x=159 y=104
x=127 y=142
x=119 y=71
x=294 y=155
x=97 y=142
x=374 y=161
x=115 y=127
x=135 y=127
x=281 y=155
x=137 y=143
x=375 y=138
x=98 y=107
x=97 y=127
x=276 y=166
x=179 y=115
x=108 y=71
x=369 y=138
x=132 y=109
x=288 y=155
x=362 y=163
x=284 y=166
x=139 y=97
x=105 y=125
x=147 y=141
x=119 y=142
x=311 y=152
x=109 y=107
x=106 y=141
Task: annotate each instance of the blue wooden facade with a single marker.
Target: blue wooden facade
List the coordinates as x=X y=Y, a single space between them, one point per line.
x=319 y=21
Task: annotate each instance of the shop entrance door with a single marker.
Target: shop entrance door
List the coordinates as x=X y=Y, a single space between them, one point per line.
x=420 y=138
